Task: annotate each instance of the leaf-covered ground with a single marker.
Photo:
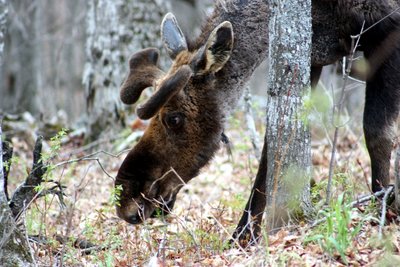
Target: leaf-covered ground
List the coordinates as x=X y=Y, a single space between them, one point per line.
x=86 y=232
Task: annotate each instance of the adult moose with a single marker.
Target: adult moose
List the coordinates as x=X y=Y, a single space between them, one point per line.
x=193 y=99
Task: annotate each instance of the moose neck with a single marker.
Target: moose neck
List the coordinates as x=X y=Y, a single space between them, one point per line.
x=250 y=26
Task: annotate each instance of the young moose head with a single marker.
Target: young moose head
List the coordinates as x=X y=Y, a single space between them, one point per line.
x=186 y=124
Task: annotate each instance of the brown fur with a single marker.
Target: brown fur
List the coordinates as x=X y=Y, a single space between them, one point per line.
x=145 y=173
x=143 y=72
x=187 y=121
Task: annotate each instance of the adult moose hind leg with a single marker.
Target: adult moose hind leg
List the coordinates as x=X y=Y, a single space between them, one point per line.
x=382 y=103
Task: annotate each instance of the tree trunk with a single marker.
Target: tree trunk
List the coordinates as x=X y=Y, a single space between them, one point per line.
x=115 y=30
x=14 y=250
x=3 y=22
x=44 y=58
x=287 y=135
x=19 y=89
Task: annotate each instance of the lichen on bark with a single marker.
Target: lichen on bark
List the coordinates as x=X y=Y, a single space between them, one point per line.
x=14 y=249
x=287 y=134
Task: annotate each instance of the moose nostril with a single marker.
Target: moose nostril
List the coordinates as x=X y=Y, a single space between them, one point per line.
x=134 y=219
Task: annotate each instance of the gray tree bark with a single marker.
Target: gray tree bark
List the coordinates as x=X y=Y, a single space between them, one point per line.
x=3 y=22
x=20 y=92
x=115 y=30
x=44 y=58
x=287 y=133
x=14 y=249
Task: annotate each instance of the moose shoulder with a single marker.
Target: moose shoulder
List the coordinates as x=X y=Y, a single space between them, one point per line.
x=194 y=97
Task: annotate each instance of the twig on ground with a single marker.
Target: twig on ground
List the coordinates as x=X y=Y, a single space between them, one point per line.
x=367 y=198
x=383 y=210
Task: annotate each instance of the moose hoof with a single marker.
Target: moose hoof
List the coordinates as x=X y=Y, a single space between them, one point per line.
x=245 y=237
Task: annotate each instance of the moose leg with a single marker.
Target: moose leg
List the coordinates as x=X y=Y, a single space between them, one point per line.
x=381 y=111
x=315 y=74
x=248 y=229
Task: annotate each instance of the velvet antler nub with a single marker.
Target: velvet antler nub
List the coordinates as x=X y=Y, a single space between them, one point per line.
x=143 y=71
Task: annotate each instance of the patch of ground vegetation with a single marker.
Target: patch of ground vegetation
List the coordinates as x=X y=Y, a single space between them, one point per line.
x=82 y=228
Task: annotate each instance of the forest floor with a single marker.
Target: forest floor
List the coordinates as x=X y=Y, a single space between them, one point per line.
x=87 y=232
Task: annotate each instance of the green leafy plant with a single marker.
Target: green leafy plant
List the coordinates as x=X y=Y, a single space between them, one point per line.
x=336 y=233
x=33 y=223
x=115 y=196
x=55 y=146
x=341 y=182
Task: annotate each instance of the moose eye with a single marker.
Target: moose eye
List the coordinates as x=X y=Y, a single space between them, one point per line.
x=174 y=120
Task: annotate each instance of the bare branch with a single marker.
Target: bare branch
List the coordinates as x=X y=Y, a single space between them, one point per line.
x=376 y=23
x=90 y=145
x=354 y=43
x=367 y=198
x=91 y=158
x=356 y=80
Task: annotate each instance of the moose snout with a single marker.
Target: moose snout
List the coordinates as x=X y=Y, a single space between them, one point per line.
x=129 y=215
x=136 y=211
x=133 y=219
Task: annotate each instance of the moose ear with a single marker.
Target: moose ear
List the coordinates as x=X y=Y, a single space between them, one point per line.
x=218 y=48
x=172 y=36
